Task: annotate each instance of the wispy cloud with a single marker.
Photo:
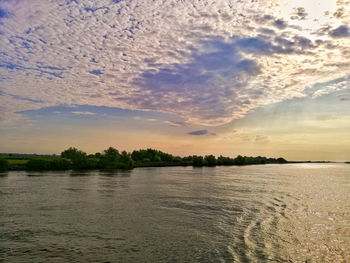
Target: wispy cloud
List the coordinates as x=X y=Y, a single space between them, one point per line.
x=261 y=139
x=83 y=113
x=176 y=123
x=333 y=86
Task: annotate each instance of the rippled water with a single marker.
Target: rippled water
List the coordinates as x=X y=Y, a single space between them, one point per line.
x=270 y=213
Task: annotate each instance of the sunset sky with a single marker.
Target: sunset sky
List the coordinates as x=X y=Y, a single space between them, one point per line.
x=225 y=77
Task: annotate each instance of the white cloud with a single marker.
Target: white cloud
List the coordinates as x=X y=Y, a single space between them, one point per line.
x=98 y=52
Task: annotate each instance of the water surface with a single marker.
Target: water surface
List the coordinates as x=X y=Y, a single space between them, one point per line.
x=268 y=213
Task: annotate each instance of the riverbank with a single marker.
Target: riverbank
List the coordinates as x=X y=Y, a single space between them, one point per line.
x=22 y=167
x=111 y=158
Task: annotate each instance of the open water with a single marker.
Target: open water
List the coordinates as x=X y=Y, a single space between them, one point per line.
x=261 y=213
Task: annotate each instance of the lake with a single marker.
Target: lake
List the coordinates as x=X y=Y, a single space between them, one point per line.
x=258 y=213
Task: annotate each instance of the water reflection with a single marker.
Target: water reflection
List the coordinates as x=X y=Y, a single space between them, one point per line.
x=82 y=173
x=45 y=173
x=110 y=173
x=268 y=213
x=113 y=173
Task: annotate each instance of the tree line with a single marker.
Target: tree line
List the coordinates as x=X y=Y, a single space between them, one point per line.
x=111 y=158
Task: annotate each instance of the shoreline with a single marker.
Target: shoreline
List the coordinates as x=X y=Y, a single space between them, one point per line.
x=21 y=168
x=112 y=159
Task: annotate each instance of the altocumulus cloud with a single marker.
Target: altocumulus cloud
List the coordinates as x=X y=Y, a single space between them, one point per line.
x=206 y=61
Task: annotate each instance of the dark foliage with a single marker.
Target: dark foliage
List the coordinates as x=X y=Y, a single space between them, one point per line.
x=38 y=165
x=197 y=161
x=4 y=165
x=60 y=164
x=78 y=158
x=210 y=160
x=111 y=158
x=151 y=155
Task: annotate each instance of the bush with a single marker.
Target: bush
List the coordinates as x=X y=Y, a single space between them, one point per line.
x=38 y=165
x=60 y=164
x=4 y=165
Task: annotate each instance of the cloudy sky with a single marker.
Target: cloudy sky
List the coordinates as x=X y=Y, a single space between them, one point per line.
x=184 y=76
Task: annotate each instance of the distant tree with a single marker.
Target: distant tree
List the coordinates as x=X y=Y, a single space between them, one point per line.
x=73 y=153
x=151 y=155
x=240 y=160
x=188 y=160
x=109 y=158
x=220 y=160
x=210 y=160
x=157 y=158
x=111 y=154
x=262 y=160
x=78 y=158
x=225 y=160
x=281 y=160
x=177 y=159
x=92 y=163
x=198 y=161
x=136 y=155
x=4 y=164
x=125 y=161
x=165 y=157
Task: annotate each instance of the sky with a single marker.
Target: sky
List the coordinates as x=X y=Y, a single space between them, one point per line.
x=187 y=77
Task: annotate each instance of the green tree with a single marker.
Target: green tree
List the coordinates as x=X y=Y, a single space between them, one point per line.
x=125 y=161
x=198 y=161
x=240 y=160
x=78 y=158
x=111 y=154
x=224 y=160
x=73 y=153
x=210 y=160
x=110 y=158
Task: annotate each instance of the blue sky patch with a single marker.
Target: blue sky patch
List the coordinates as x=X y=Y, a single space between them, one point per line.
x=96 y=72
x=3 y=13
x=96 y=111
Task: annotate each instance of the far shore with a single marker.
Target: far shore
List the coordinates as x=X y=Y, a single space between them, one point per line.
x=22 y=167
x=111 y=158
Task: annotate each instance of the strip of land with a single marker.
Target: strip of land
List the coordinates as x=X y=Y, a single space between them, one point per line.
x=111 y=158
